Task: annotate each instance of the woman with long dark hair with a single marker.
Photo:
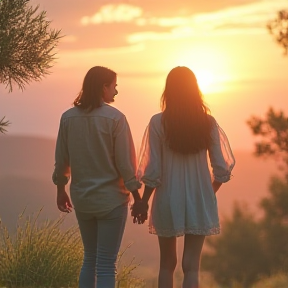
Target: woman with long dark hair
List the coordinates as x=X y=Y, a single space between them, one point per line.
x=95 y=147
x=174 y=163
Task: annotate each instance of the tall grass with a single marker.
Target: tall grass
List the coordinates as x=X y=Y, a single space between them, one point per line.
x=39 y=255
x=125 y=277
x=42 y=255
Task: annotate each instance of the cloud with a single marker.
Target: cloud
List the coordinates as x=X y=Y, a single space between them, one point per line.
x=113 y=13
x=245 y=19
x=131 y=24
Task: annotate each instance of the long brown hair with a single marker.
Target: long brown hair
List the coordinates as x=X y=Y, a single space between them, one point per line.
x=185 y=117
x=90 y=96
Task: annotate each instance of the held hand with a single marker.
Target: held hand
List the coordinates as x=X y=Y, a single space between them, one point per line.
x=63 y=202
x=139 y=212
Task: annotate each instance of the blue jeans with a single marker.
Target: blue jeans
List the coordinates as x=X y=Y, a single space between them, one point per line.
x=101 y=237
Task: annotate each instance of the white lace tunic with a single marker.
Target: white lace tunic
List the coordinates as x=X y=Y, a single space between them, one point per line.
x=184 y=201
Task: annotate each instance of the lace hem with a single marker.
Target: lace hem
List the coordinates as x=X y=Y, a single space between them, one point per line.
x=181 y=232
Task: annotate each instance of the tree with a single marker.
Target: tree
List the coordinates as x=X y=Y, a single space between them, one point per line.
x=26 y=46
x=273 y=133
x=236 y=255
x=248 y=249
x=274 y=143
x=279 y=29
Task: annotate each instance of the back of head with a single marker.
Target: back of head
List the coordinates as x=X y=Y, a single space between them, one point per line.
x=91 y=94
x=185 y=120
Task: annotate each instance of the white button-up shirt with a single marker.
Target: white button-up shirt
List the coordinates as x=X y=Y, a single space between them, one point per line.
x=96 y=149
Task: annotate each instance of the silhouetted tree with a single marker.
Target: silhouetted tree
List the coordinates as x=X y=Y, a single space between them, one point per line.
x=236 y=255
x=273 y=131
x=26 y=45
x=248 y=249
x=279 y=29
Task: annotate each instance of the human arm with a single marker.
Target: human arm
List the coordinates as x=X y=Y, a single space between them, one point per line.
x=150 y=168
x=125 y=156
x=221 y=156
x=61 y=174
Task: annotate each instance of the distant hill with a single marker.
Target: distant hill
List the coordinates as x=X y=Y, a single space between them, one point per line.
x=26 y=166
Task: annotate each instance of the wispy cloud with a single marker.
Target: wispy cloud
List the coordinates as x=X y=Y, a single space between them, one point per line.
x=113 y=13
x=244 y=19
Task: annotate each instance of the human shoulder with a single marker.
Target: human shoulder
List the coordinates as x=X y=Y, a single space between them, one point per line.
x=212 y=120
x=74 y=111
x=155 y=123
x=156 y=119
x=111 y=112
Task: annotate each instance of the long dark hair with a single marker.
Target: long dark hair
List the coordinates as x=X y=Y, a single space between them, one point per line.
x=90 y=96
x=185 y=117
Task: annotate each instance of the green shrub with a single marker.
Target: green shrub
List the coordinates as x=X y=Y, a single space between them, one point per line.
x=279 y=280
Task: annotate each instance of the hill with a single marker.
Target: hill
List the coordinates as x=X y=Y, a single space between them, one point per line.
x=26 y=165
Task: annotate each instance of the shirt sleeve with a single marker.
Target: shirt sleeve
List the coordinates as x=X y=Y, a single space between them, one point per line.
x=61 y=174
x=220 y=154
x=149 y=170
x=125 y=156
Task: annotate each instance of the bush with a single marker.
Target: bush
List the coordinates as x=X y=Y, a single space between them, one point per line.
x=279 y=280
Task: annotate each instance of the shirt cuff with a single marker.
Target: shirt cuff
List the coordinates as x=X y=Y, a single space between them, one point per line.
x=132 y=184
x=223 y=179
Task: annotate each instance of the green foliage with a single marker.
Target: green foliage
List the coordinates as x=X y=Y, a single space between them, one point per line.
x=236 y=256
x=279 y=280
x=248 y=249
x=3 y=125
x=42 y=255
x=125 y=277
x=279 y=29
x=27 y=43
x=39 y=255
x=274 y=225
x=273 y=131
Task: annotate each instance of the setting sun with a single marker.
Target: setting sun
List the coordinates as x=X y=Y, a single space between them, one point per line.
x=205 y=80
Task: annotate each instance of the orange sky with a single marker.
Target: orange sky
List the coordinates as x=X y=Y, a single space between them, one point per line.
x=240 y=68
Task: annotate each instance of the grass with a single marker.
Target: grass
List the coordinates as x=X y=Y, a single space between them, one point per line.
x=42 y=255
x=39 y=255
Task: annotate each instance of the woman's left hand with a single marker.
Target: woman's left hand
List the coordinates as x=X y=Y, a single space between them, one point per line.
x=63 y=202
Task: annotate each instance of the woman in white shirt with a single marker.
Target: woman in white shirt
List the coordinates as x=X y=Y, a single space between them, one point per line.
x=95 y=147
x=174 y=163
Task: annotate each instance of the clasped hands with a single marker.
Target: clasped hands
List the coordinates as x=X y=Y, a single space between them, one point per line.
x=139 y=211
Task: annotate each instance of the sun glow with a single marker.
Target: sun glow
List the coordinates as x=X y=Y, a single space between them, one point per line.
x=205 y=80
x=209 y=65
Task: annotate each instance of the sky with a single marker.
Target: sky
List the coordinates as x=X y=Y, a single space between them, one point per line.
x=239 y=66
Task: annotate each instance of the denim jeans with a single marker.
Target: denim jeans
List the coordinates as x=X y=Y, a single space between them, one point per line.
x=101 y=237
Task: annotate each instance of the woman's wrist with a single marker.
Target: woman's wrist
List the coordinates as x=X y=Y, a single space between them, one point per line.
x=136 y=195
